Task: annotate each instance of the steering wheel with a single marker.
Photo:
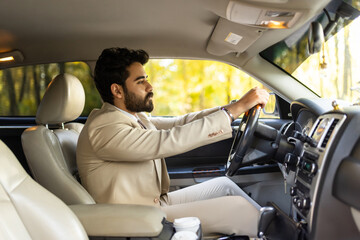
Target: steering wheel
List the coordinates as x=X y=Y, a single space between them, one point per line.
x=242 y=141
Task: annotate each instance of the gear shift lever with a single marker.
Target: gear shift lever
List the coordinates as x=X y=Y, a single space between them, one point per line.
x=267 y=214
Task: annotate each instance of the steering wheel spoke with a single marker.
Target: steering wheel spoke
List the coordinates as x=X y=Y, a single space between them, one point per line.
x=240 y=147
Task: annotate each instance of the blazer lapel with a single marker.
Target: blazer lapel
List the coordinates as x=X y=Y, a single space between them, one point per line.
x=157 y=162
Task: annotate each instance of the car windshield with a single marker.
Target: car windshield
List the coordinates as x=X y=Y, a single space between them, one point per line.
x=333 y=72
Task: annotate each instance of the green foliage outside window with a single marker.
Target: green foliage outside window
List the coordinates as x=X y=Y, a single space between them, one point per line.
x=183 y=86
x=22 y=88
x=180 y=86
x=331 y=73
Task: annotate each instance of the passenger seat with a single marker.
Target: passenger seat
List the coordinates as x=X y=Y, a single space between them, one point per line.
x=50 y=147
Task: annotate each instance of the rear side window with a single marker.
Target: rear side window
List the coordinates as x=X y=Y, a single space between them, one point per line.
x=22 y=88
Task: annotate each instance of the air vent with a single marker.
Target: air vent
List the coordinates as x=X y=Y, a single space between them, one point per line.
x=317 y=124
x=329 y=132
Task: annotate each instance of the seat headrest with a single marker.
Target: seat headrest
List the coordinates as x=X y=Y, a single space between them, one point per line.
x=63 y=101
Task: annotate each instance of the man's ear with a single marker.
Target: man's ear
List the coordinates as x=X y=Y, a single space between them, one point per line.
x=117 y=90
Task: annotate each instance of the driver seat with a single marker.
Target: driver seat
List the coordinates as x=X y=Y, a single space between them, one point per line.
x=28 y=211
x=50 y=147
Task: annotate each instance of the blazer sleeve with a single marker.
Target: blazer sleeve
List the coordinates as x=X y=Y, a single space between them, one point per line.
x=170 y=122
x=124 y=142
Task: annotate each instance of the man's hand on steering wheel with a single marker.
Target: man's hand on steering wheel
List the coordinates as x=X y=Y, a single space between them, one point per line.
x=255 y=99
x=252 y=98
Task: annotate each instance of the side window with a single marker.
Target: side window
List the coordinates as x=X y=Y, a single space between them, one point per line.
x=22 y=88
x=180 y=86
x=183 y=86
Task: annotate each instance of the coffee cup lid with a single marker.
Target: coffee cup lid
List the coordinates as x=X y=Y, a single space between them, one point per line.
x=186 y=222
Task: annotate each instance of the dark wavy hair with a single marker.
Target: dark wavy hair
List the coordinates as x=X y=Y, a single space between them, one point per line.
x=111 y=67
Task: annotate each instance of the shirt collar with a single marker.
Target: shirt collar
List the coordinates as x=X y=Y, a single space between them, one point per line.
x=126 y=113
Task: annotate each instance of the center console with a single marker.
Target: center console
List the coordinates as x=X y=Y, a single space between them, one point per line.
x=311 y=166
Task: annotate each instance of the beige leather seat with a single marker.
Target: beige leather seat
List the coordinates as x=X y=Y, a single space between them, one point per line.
x=50 y=147
x=28 y=211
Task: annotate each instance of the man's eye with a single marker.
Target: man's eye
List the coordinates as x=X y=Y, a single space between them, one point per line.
x=140 y=82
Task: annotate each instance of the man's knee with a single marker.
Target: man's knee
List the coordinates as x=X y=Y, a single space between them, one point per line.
x=229 y=186
x=222 y=181
x=238 y=215
x=237 y=202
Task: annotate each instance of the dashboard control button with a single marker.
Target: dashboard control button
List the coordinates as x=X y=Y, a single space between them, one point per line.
x=314 y=169
x=306 y=203
x=299 y=204
x=310 y=167
x=293 y=191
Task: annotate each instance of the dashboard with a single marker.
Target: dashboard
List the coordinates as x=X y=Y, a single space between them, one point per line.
x=325 y=196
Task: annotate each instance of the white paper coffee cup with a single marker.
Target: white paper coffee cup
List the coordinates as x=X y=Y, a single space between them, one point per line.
x=184 y=235
x=187 y=224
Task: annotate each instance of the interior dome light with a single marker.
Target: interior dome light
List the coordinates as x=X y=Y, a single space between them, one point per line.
x=11 y=57
x=273 y=24
x=7 y=59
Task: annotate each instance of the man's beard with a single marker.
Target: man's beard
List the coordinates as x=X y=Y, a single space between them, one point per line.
x=134 y=103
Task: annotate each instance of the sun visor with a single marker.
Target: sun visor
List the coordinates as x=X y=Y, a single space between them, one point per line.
x=232 y=37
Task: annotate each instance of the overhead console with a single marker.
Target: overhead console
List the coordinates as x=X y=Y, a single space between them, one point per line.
x=244 y=22
x=275 y=18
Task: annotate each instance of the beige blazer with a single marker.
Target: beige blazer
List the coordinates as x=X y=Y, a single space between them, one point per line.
x=120 y=162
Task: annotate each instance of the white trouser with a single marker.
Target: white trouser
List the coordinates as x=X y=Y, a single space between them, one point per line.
x=219 y=203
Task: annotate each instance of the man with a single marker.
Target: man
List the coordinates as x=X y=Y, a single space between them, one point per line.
x=121 y=151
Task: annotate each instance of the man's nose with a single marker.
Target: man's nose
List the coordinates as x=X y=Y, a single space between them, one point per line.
x=149 y=87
